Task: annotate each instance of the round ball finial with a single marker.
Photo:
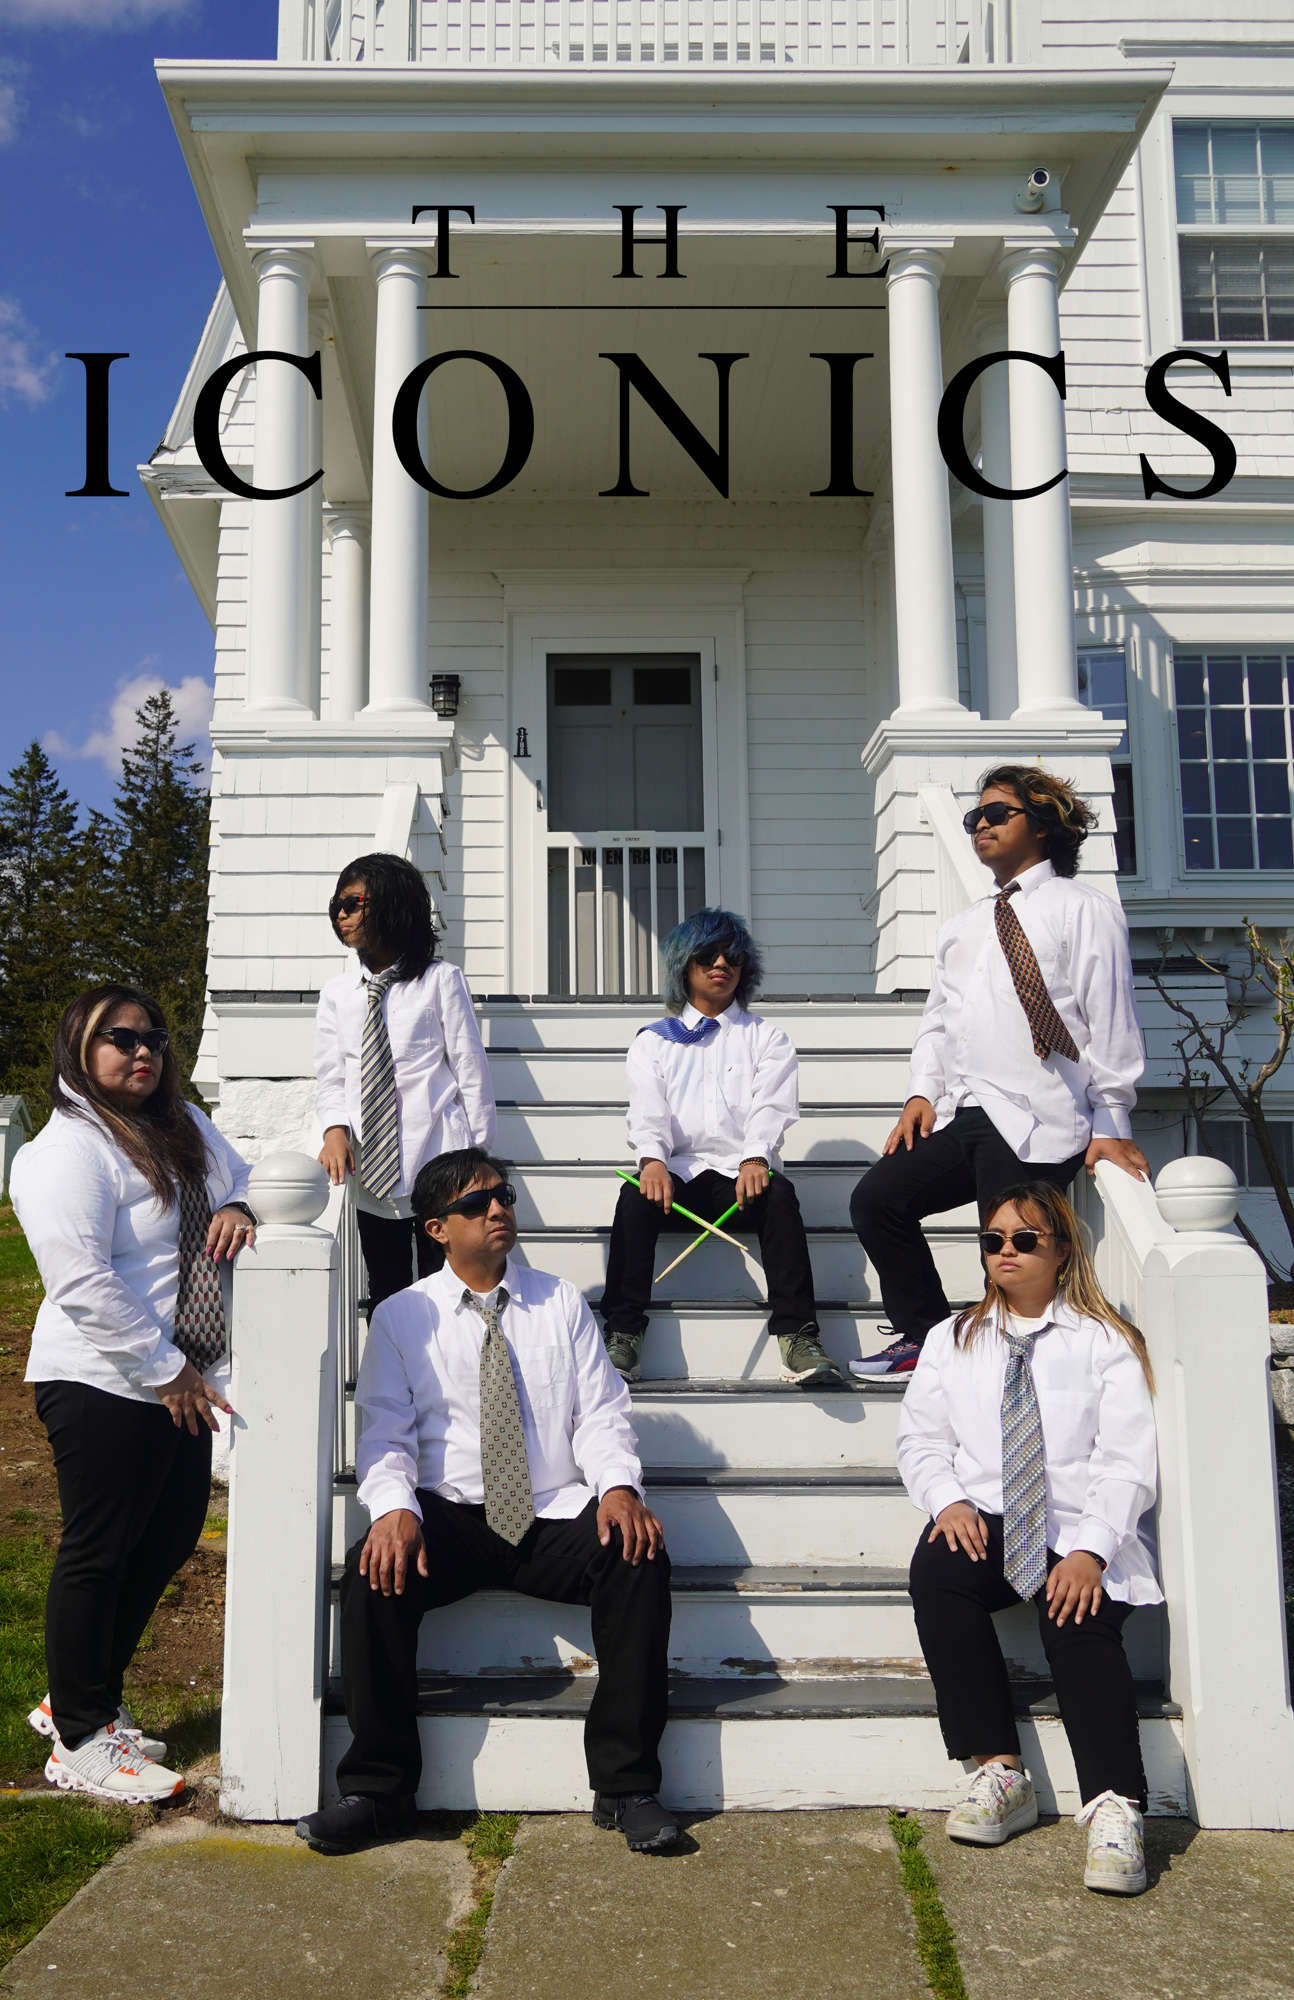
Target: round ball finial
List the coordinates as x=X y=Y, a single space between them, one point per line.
x=1197 y=1193
x=288 y=1188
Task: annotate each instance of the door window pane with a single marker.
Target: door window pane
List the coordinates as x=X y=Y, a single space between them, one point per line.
x=581 y=687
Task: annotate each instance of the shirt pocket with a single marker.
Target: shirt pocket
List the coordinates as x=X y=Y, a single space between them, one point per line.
x=415 y=1039
x=546 y=1377
x=1069 y=1424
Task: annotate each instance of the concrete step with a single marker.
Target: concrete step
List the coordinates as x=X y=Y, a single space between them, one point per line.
x=869 y=1740
x=721 y=1341
x=753 y=1424
x=553 y=1195
x=859 y=1022
x=597 y=1076
x=718 y=1271
x=794 y=1621
x=593 y=1132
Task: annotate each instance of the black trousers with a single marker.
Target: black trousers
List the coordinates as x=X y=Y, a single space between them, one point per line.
x=560 y=1560
x=968 y=1159
x=774 y=1216
x=954 y=1600
x=390 y=1244
x=134 y=1492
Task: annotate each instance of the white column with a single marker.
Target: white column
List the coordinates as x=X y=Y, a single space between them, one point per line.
x=398 y=666
x=283 y=668
x=923 y=549
x=348 y=534
x=999 y=540
x=1044 y=575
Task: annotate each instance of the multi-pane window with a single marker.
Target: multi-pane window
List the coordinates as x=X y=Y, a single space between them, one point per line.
x=1234 y=752
x=1235 y=228
x=1232 y=1140
x=1103 y=685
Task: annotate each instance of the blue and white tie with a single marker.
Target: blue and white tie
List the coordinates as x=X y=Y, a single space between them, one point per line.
x=1024 y=1475
x=378 y=1105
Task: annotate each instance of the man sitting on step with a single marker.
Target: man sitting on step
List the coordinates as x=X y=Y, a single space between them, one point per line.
x=1026 y=1062
x=495 y=1452
x=712 y=1090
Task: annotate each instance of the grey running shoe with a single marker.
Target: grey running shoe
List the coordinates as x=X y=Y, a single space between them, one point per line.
x=624 y=1350
x=805 y=1359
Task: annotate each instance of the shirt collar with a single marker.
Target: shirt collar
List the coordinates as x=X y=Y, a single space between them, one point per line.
x=731 y=1017
x=1031 y=879
x=454 y=1286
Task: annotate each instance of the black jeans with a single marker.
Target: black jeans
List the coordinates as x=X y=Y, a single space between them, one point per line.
x=954 y=1600
x=389 y=1244
x=775 y=1216
x=969 y=1159
x=560 y=1560
x=133 y=1489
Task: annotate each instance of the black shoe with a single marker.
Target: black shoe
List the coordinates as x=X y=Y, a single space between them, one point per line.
x=639 y=1816
x=358 y=1822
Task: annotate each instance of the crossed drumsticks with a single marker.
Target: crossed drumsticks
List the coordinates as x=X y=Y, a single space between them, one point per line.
x=707 y=1229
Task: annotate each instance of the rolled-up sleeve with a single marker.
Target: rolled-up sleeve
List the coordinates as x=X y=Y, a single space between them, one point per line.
x=604 y=1444
x=386 y=1460
x=467 y=1058
x=927 y=1443
x=1124 y=1469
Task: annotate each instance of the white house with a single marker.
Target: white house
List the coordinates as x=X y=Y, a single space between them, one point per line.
x=693 y=607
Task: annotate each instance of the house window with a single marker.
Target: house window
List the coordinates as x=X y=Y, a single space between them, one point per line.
x=1234 y=753
x=1232 y=1140
x=1235 y=230
x=1103 y=685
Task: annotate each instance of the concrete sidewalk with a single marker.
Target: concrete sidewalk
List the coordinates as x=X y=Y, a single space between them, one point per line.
x=795 y=1906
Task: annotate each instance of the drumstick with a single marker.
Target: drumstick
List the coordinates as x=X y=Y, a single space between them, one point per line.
x=699 y=1220
x=696 y=1243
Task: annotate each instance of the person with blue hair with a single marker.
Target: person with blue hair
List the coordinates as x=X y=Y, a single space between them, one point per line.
x=712 y=1090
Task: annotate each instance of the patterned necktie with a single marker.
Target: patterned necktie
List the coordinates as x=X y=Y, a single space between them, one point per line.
x=199 y=1308
x=505 y=1469
x=379 y=1122
x=1024 y=1478
x=1050 y=1035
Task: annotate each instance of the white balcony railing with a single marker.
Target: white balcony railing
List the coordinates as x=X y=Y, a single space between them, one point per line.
x=611 y=899
x=652 y=34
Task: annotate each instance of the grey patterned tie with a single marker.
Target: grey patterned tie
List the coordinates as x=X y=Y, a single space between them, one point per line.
x=378 y=1111
x=505 y=1469
x=199 y=1308
x=1024 y=1477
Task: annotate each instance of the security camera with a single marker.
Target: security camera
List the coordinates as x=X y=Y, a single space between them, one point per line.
x=1033 y=195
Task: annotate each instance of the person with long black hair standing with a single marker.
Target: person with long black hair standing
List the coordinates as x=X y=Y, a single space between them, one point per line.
x=399 y=1065
x=129 y=1198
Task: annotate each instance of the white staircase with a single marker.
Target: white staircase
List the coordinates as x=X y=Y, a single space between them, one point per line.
x=796 y=1675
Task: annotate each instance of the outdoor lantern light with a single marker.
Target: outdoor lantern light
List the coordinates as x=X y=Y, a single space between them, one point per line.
x=444 y=695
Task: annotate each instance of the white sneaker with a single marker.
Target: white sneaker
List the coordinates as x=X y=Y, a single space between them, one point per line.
x=1116 y=1849
x=41 y=1719
x=999 y=1802
x=109 y=1766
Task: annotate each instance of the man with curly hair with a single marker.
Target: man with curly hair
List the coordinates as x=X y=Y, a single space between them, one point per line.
x=712 y=1090
x=1026 y=1063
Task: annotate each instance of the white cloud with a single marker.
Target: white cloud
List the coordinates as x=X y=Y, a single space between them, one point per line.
x=12 y=103
x=89 y=13
x=24 y=372
x=191 y=701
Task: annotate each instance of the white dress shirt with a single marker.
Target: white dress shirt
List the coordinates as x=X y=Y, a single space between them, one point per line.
x=713 y=1103
x=419 y=1397
x=108 y=1255
x=975 y=1046
x=445 y=1099
x=1098 y=1435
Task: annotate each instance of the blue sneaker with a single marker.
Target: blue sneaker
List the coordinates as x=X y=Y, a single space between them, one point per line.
x=899 y=1358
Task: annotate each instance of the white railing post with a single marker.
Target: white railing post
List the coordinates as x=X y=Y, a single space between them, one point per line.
x=292 y=30
x=286 y=1299
x=1170 y=1261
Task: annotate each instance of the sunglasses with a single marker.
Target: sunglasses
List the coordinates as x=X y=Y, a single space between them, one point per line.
x=705 y=959
x=127 y=1040
x=480 y=1200
x=1026 y=1241
x=346 y=906
x=995 y=814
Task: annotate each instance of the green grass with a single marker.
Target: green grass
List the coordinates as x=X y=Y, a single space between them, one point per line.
x=25 y=1564
x=20 y=1291
x=48 y=1848
x=489 y=1842
x=936 y=1945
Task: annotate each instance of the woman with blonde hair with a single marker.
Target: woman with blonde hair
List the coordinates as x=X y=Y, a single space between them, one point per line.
x=1028 y=1438
x=129 y=1198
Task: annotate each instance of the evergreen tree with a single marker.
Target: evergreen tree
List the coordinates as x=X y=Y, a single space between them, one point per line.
x=40 y=959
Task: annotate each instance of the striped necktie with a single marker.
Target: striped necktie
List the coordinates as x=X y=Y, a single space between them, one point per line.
x=199 y=1308
x=1050 y=1035
x=1024 y=1476
x=505 y=1469
x=378 y=1104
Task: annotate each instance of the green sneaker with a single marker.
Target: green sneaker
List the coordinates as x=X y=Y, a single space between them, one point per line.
x=624 y=1350
x=805 y=1359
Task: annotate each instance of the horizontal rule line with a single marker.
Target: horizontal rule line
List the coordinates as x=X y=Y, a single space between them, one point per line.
x=447 y=306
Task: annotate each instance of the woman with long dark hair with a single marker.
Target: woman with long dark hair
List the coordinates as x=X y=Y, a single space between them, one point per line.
x=399 y=1065
x=129 y=1198
x=1028 y=1437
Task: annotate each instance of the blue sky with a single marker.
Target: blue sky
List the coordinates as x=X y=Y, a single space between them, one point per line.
x=103 y=249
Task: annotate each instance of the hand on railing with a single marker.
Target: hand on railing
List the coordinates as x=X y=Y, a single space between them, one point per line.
x=337 y=1155
x=1125 y=1153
